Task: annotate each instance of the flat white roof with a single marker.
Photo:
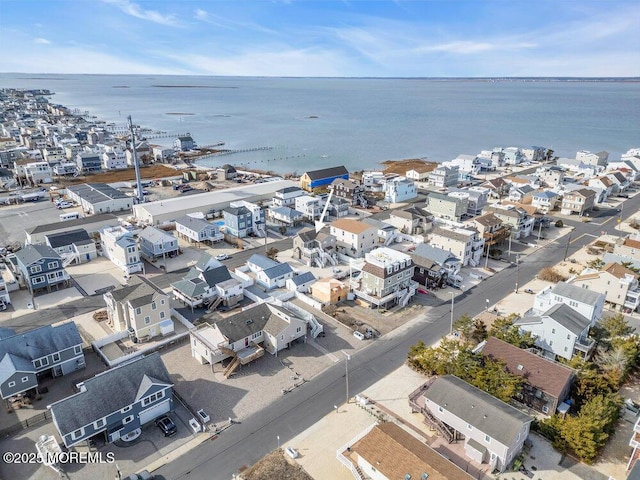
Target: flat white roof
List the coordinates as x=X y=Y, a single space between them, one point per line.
x=205 y=200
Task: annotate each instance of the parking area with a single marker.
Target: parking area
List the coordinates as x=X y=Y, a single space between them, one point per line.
x=96 y=275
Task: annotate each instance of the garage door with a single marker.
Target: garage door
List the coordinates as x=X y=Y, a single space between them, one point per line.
x=154 y=412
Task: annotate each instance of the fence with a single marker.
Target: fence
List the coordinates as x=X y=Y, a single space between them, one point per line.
x=28 y=423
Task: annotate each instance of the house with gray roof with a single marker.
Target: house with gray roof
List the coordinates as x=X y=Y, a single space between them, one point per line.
x=434 y=266
x=48 y=350
x=40 y=268
x=195 y=229
x=545 y=201
x=521 y=193
x=285 y=216
x=410 y=220
x=96 y=198
x=156 y=243
x=114 y=403
x=588 y=303
x=139 y=308
x=245 y=336
x=73 y=246
x=493 y=432
x=445 y=206
x=560 y=331
x=208 y=283
x=301 y=282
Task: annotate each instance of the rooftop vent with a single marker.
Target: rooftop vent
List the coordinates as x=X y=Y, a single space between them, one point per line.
x=248 y=322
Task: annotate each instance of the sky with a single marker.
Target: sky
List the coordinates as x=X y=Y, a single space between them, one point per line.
x=349 y=38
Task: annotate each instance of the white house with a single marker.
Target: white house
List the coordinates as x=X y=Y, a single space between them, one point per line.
x=584 y=301
x=197 y=229
x=560 y=331
x=466 y=244
x=493 y=432
x=120 y=246
x=353 y=238
x=399 y=189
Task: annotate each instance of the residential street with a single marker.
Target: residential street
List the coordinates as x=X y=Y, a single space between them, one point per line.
x=254 y=437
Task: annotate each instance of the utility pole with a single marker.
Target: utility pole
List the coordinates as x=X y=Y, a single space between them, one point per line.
x=135 y=161
x=517 y=271
x=566 y=250
x=346 y=373
x=451 y=329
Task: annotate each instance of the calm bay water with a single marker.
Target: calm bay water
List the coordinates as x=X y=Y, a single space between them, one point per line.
x=313 y=123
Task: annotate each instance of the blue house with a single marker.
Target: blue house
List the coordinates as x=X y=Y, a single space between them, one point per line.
x=46 y=350
x=116 y=402
x=322 y=178
x=155 y=243
x=41 y=268
x=238 y=221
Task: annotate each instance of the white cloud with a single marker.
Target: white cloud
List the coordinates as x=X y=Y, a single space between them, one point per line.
x=201 y=14
x=135 y=10
x=465 y=47
x=41 y=41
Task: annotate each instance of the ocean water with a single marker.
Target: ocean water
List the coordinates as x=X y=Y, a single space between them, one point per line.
x=316 y=123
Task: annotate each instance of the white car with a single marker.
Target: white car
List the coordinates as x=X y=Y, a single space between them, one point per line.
x=62 y=205
x=222 y=256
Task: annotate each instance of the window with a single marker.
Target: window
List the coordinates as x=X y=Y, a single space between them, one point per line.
x=152 y=398
x=551 y=343
x=553 y=330
x=565 y=349
x=568 y=336
x=37 y=280
x=25 y=379
x=161 y=314
x=147 y=320
x=128 y=419
x=12 y=384
x=56 y=357
x=35 y=269
x=125 y=409
x=138 y=311
x=52 y=265
x=77 y=434
x=487 y=438
x=99 y=423
x=162 y=302
x=153 y=305
x=298 y=329
x=41 y=362
x=77 y=349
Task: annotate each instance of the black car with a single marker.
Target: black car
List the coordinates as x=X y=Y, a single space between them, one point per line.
x=167 y=426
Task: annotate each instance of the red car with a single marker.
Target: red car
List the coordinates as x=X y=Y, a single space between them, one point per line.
x=422 y=290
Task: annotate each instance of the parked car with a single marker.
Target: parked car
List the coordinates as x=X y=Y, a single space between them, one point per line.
x=528 y=290
x=222 y=256
x=62 y=205
x=167 y=426
x=143 y=475
x=423 y=291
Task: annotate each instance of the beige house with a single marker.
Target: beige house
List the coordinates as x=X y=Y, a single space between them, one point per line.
x=246 y=335
x=466 y=244
x=446 y=206
x=491 y=228
x=578 y=201
x=353 y=238
x=329 y=291
x=419 y=173
x=619 y=285
x=140 y=308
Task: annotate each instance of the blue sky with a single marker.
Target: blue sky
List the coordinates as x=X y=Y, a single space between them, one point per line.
x=401 y=38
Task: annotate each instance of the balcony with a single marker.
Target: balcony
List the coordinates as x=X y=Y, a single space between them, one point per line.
x=632 y=300
x=584 y=346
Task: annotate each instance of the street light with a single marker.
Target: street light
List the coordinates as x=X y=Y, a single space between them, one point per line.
x=336 y=407
x=487 y=304
x=346 y=372
x=278 y=438
x=451 y=330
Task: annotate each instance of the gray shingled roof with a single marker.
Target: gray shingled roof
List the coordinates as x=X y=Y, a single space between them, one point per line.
x=262 y=262
x=27 y=346
x=109 y=392
x=155 y=235
x=566 y=316
x=278 y=270
x=195 y=224
x=34 y=253
x=246 y=323
x=74 y=223
x=438 y=255
x=190 y=288
x=139 y=292
x=303 y=278
x=327 y=173
x=216 y=275
x=574 y=292
x=62 y=239
x=486 y=413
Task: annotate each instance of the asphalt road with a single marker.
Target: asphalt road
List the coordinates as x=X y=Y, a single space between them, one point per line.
x=254 y=437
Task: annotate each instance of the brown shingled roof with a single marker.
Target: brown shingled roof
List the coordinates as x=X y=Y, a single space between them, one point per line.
x=618 y=270
x=396 y=453
x=628 y=242
x=351 y=226
x=547 y=376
